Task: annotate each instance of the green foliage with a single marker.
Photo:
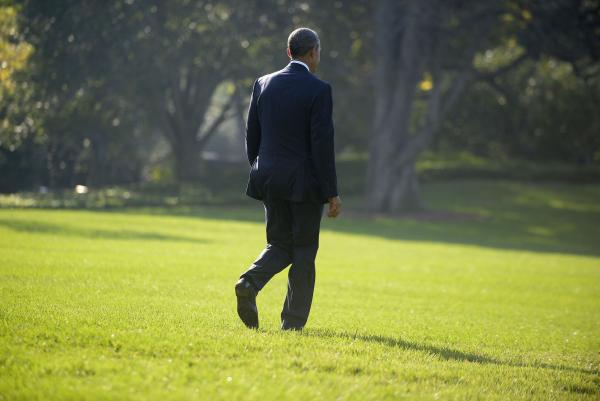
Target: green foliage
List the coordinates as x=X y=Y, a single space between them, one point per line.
x=541 y=111
x=14 y=53
x=154 y=67
x=108 y=197
x=140 y=303
x=89 y=89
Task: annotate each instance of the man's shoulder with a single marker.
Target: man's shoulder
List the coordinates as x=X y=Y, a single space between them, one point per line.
x=261 y=80
x=311 y=80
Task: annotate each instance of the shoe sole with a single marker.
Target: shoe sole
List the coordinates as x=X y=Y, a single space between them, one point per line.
x=244 y=307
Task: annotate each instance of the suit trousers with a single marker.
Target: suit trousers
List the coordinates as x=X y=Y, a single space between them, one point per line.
x=292 y=238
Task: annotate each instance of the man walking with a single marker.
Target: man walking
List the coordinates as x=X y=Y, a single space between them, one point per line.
x=290 y=148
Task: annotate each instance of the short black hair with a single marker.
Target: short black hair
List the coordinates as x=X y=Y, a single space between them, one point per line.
x=302 y=40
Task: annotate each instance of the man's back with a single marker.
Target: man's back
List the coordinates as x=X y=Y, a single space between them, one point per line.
x=289 y=142
x=289 y=137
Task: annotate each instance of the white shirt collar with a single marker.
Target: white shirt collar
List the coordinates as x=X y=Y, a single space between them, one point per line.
x=300 y=62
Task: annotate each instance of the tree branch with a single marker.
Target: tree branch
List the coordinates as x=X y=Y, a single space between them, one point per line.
x=502 y=70
x=425 y=134
x=436 y=109
x=212 y=130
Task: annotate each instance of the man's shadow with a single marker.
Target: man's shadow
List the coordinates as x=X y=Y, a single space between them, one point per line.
x=442 y=352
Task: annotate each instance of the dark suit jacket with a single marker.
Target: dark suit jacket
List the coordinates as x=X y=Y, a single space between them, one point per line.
x=289 y=137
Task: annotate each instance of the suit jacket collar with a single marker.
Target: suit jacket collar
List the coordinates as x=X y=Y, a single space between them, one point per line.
x=296 y=67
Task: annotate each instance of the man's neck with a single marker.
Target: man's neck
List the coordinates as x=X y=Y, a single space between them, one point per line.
x=301 y=62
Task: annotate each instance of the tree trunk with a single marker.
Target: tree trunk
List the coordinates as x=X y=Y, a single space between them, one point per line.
x=188 y=159
x=391 y=188
x=97 y=169
x=183 y=125
x=405 y=193
x=410 y=43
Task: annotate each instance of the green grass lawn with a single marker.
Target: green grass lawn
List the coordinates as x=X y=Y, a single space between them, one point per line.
x=139 y=303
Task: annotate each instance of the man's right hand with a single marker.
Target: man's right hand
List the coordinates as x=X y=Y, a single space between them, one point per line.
x=335 y=206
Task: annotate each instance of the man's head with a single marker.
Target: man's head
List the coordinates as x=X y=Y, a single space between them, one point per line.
x=304 y=45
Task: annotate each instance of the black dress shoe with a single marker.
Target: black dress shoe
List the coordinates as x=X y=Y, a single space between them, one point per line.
x=287 y=326
x=246 y=303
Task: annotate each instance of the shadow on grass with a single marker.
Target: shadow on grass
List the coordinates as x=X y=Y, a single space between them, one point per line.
x=539 y=229
x=445 y=353
x=93 y=233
